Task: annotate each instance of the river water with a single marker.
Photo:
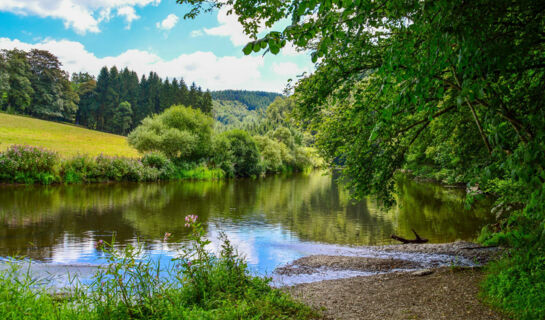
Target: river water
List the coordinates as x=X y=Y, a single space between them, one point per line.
x=271 y=221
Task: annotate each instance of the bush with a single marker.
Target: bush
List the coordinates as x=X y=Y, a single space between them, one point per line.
x=222 y=156
x=78 y=169
x=271 y=154
x=516 y=284
x=181 y=133
x=160 y=162
x=27 y=164
x=245 y=155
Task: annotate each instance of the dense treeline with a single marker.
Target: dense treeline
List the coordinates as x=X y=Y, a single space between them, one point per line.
x=33 y=83
x=448 y=88
x=252 y=99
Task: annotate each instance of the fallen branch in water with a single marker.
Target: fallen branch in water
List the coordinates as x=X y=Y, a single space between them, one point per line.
x=405 y=241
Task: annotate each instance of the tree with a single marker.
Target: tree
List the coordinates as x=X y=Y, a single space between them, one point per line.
x=53 y=97
x=181 y=133
x=103 y=82
x=18 y=97
x=121 y=121
x=4 y=80
x=84 y=85
x=244 y=153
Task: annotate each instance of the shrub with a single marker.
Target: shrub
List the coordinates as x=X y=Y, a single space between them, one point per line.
x=181 y=133
x=516 y=284
x=222 y=156
x=28 y=164
x=271 y=154
x=160 y=162
x=78 y=169
x=245 y=155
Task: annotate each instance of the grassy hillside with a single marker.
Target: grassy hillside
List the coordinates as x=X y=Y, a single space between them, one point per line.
x=66 y=139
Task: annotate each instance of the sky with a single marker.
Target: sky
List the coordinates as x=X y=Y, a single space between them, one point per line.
x=147 y=35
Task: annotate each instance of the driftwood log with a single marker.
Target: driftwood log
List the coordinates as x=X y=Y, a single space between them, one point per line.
x=417 y=240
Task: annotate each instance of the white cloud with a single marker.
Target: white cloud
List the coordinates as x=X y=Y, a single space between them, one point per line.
x=196 y=33
x=229 y=27
x=129 y=13
x=204 y=68
x=286 y=69
x=168 y=23
x=81 y=15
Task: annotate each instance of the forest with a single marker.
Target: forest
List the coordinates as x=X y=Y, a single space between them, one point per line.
x=252 y=99
x=33 y=83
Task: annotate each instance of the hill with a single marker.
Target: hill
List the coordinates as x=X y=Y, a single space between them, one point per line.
x=66 y=139
x=252 y=99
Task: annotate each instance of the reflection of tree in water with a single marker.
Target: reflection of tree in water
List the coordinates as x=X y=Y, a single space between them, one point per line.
x=438 y=212
x=313 y=207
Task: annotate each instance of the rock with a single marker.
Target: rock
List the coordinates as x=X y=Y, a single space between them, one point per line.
x=422 y=272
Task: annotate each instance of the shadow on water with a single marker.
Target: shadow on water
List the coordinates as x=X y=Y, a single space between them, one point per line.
x=61 y=224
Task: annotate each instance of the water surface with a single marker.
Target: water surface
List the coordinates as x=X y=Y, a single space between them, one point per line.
x=271 y=221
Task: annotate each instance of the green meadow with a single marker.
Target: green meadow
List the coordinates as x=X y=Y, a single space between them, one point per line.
x=66 y=139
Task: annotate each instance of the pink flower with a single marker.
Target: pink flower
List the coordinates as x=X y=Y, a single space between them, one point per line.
x=167 y=235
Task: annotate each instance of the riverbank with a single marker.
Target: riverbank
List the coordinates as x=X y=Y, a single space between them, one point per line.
x=446 y=293
x=400 y=287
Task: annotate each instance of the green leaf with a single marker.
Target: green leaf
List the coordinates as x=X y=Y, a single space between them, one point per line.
x=248 y=48
x=274 y=49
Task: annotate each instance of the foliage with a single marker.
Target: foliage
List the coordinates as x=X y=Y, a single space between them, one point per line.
x=452 y=86
x=253 y=100
x=243 y=153
x=160 y=162
x=231 y=115
x=222 y=155
x=121 y=120
x=517 y=285
x=28 y=164
x=181 y=133
x=199 y=285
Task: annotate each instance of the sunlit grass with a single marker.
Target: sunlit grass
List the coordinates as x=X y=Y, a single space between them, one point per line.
x=66 y=139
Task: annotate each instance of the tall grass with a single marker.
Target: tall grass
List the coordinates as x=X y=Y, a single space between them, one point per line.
x=198 y=285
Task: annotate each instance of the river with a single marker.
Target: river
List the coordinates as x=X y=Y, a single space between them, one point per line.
x=271 y=221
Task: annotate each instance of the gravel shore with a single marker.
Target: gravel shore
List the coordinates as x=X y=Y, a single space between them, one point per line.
x=398 y=288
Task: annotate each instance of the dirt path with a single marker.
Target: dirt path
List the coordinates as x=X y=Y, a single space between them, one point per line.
x=447 y=293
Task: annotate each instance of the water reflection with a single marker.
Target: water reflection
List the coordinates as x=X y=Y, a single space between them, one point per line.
x=61 y=224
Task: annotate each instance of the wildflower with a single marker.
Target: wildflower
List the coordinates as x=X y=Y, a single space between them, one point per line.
x=167 y=235
x=99 y=244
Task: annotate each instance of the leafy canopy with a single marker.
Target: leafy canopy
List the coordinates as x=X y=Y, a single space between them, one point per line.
x=454 y=84
x=181 y=133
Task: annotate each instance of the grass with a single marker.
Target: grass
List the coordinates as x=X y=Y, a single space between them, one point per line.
x=66 y=139
x=200 y=285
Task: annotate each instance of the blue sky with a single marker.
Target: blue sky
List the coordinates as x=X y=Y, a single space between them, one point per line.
x=146 y=35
